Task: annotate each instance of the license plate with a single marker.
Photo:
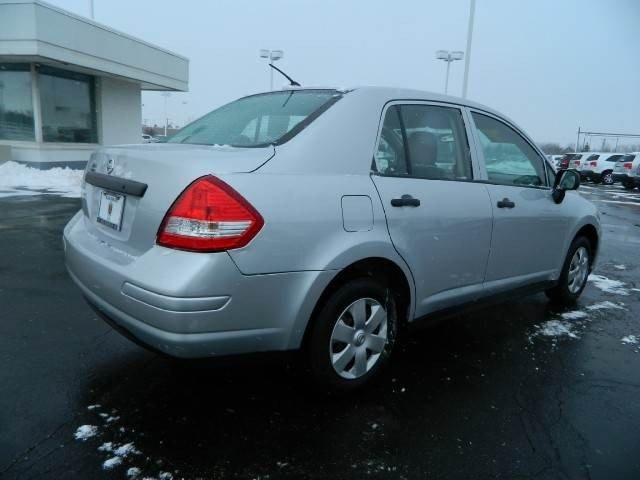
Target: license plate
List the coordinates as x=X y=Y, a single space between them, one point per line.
x=110 y=211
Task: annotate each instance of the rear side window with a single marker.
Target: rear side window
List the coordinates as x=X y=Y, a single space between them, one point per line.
x=509 y=158
x=424 y=141
x=592 y=157
x=258 y=120
x=613 y=158
x=627 y=158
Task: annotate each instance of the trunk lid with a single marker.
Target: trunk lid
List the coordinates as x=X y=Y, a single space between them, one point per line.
x=166 y=170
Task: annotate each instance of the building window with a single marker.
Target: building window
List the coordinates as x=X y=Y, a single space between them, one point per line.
x=16 y=106
x=67 y=102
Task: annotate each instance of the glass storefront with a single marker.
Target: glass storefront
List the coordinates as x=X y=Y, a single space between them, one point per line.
x=67 y=102
x=16 y=106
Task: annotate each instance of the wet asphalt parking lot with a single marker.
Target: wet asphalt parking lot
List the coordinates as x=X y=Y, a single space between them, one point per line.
x=520 y=390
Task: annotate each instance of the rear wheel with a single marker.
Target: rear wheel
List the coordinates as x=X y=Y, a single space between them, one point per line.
x=575 y=271
x=353 y=335
x=607 y=177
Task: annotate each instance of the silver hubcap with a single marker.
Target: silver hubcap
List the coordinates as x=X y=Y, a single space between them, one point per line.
x=358 y=338
x=608 y=178
x=578 y=269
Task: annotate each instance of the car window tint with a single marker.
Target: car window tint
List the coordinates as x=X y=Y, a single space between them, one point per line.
x=390 y=155
x=436 y=142
x=509 y=158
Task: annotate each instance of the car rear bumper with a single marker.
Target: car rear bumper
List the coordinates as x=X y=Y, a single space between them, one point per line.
x=191 y=305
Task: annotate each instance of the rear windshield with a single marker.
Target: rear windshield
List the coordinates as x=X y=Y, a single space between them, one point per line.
x=628 y=158
x=258 y=120
x=593 y=157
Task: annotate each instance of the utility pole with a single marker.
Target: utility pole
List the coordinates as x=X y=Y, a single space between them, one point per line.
x=467 y=59
x=91 y=9
x=578 y=141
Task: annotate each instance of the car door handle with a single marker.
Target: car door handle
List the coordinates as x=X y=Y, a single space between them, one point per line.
x=506 y=203
x=405 y=201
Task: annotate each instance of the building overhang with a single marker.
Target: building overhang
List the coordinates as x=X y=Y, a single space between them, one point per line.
x=36 y=32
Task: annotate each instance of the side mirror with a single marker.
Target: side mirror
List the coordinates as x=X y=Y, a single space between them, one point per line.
x=565 y=180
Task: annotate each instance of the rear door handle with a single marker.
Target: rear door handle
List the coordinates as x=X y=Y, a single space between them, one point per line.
x=506 y=203
x=405 y=201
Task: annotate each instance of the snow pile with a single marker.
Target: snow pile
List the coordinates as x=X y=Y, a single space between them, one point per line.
x=620 y=267
x=608 y=285
x=18 y=179
x=86 y=431
x=555 y=328
x=629 y=340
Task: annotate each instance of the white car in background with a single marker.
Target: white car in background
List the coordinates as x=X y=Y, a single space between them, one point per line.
x=598 y=167
x=627 y=171
x=570 y=160
x=146 y=138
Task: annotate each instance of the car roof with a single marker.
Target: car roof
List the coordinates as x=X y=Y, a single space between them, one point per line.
x=391 y=93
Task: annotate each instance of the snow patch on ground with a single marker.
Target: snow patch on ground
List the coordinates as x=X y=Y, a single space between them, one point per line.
x=17 y=179
x=605 y=305
x=111 y=463
x=608 y=285
x=165 y=476
x=133 y=472
x=620 y=267
x=574 y=315
x=555 y=328
x=126 y=450
x=629 y=340
x=85 y=432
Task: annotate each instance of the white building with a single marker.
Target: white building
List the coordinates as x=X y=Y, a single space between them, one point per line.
x=68 y=84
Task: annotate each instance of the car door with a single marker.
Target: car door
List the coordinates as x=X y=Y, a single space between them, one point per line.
x=439 y=219
x=529 y=228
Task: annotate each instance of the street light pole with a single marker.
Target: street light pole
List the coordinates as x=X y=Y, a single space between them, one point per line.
x=448 y=57
x=467 y=60
x=166 y=95
x=273 y=56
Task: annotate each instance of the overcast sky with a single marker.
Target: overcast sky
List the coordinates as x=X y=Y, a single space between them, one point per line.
x=550 y=65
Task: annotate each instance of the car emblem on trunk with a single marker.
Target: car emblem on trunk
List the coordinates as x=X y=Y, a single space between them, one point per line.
x=111 y=163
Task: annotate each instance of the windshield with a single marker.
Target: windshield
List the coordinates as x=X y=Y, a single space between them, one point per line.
x=258 y=120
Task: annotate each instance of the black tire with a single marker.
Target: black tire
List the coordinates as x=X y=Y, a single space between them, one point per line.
x=561 y=292
x=319 y=346
x=597 y=180
x=607 y=177
x=628 y=185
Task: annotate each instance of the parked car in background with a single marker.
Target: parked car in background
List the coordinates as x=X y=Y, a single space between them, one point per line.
x=146 y=138
x=355 y=214
x=627 y=171
x=570 y=160
x=598 y=167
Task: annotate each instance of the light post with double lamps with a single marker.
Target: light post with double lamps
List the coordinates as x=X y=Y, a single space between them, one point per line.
x=448 y=57
x=273 y=56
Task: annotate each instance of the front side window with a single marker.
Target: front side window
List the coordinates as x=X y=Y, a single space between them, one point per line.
x=16 y=106
x=509 y=158
x=258 y=120
x=68 y=106
x=424 y=141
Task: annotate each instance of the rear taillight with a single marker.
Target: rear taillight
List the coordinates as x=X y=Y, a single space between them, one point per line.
x=627 y=165
x=564 y=164
x=209 y=216
x=594 y=164
x=577 y=162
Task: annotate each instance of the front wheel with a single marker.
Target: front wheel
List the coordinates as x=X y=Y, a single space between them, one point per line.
x=353 y=334
x=575 y=271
